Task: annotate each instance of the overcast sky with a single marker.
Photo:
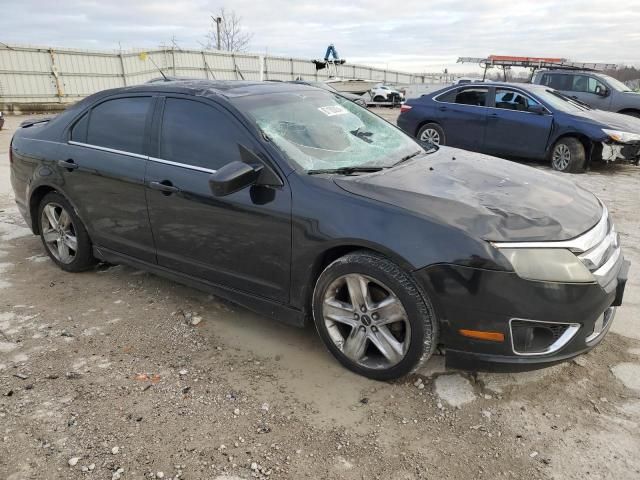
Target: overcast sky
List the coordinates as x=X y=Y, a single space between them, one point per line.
x=425 y=35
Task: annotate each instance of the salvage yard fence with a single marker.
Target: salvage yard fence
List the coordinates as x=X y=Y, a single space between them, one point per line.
x=41 y=78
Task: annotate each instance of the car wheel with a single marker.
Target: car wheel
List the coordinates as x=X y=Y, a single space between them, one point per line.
x=568 y=155
x=431 y=132
x=63 y=234
x=379 y=98
x=373 y=317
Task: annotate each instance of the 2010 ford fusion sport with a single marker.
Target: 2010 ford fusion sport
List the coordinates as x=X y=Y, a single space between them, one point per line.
x=302 y=205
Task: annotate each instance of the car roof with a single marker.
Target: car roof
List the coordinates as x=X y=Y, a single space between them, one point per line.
x=570 y=71
x=531 y=87
x=215 y=88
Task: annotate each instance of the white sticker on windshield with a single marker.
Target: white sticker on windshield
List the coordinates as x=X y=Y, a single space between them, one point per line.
x=333 y=110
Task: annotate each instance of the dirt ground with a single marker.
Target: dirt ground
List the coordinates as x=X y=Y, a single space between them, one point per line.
x=116 y=373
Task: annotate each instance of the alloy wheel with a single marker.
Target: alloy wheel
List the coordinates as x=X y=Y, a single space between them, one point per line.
x=59 y=233
x=561 y=157
x=430 y=135
x=366 y=321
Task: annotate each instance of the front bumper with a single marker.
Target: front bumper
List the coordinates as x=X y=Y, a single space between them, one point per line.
x=467 y=298
x=629 y=152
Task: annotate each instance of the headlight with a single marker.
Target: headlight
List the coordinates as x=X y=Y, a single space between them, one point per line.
x=548 y=264
x=622 y=137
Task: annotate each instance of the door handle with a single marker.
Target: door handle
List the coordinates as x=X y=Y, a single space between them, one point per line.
x=442 y=109
x=165 y=186
x=493 y=116
x=69 y=164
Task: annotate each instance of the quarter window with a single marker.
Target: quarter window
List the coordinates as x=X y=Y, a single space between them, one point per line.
x=512 y=100
x=198 y=134
x=119 y=124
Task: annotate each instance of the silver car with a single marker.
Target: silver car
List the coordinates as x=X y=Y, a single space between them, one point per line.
x=593 y=88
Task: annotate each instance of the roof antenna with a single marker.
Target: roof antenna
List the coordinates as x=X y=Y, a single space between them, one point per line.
x=161 y=72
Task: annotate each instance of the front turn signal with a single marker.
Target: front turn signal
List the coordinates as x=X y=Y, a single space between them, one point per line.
x=482 y=335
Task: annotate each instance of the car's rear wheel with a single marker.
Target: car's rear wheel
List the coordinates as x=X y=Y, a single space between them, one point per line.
x=568 y=155
x=379 y=98
x=372 y=316
x=63 y=234
x=431 y=133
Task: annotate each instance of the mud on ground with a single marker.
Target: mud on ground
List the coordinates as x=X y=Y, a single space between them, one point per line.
x=116 y=373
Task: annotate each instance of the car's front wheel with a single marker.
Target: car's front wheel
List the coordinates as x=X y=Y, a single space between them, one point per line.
x=372 y=316
x=568 y=155
x=431 y=133
x=63 y=234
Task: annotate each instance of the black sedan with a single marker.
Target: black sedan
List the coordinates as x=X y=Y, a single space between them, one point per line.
x=301 y=205
x=524 y=121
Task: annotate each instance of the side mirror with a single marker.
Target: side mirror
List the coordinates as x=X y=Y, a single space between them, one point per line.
x=233 y=177
x=537 y=108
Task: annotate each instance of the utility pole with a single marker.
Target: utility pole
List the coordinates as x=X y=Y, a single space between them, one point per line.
x=218 y=21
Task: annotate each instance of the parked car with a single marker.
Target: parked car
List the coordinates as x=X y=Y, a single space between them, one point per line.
x=302 y=206
x=349 y=96
x=385 y=93
x=525 y=121
x=593 y=88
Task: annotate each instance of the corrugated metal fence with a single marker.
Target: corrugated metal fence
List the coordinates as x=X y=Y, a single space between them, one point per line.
x=37 y=75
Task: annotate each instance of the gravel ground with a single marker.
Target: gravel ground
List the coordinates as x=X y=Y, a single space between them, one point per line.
x=116 y=373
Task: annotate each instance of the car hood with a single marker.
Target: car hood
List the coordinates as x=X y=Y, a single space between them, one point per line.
x=488 y=198
x=616 y=121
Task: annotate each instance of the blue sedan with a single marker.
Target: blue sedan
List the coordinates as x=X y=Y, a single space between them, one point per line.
x=524 y=121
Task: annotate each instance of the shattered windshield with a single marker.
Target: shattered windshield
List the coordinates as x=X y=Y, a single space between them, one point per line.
x=319 y=130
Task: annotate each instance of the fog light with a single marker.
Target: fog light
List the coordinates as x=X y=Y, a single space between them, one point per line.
x=530 y=337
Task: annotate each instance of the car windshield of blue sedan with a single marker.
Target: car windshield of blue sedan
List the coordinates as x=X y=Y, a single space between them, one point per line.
x=559 y=101
x=318 y=130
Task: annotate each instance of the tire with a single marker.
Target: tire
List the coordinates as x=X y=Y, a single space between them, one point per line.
x=397 y=316
x=568 y=155
x=71 y=232
x=433 y=132
x=379 y=98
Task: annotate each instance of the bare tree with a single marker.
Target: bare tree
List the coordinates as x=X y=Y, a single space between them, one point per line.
x=226 y=33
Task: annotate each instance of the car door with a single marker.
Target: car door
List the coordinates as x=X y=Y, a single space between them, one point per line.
x=103 y=167
x=462 y=114
x=514 y=130
x=240 y=241
x=590 y=90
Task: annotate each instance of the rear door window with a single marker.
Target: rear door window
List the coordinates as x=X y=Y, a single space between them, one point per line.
x=198 y=134
x=476 y=96
x=119 y=124
x=558 y=81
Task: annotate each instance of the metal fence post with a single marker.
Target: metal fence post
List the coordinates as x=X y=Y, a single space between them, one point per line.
x=124 y=74
x=56 y=76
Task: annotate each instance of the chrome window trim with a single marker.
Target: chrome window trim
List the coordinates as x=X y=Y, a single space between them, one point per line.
x=143 y=157
x=579 y=244
x=565 y=338
x=109 y=150
x=182 y=165
x=435 y=99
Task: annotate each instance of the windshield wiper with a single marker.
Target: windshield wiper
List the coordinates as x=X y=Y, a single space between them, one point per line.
x=408 y=157
x=344 y=170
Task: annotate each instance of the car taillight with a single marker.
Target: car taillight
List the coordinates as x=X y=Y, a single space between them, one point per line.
x=405 y=108
x=11 y=152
